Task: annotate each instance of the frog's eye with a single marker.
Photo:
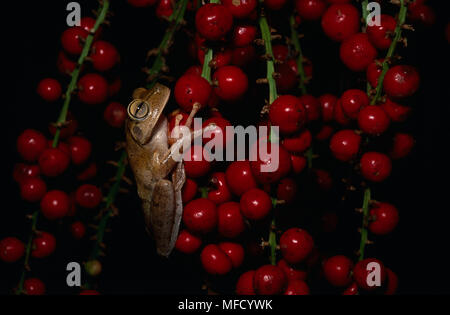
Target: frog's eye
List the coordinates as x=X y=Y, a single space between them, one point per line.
x=138 y=110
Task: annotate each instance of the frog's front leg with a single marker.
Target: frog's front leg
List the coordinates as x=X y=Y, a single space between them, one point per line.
x=164 y=216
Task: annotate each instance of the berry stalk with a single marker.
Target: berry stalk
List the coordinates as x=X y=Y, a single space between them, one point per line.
x=385 y=65
x=26 y=267
x=364 y=231
x=175 y=21
x=296 y=42
x=103 y=10
x=266 y=36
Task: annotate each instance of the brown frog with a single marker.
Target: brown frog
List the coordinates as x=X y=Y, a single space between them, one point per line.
x=159 y=177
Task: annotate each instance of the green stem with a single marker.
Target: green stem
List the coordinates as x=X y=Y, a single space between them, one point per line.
x=296 y=42
x=266 y=36
x=104 y=6
x=206 y=71
x=175 y=19
x=28 y=252
x=365 y=222
x=110 y=198
x=365 y=13
x=309 y=157
x=385 y=67
x=273 y=236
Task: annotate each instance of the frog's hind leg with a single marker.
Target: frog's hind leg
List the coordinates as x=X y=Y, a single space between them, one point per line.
x=162 y=217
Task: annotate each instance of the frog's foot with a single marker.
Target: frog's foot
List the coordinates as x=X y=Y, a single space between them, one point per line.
x=178 y=119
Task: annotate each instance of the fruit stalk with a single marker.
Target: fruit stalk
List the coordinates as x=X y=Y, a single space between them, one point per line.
x=103 y=10
x=364 y=231
x=266 y=36
x=175 y=20
x=385 y=65
x=34 y=219
x=296 y=42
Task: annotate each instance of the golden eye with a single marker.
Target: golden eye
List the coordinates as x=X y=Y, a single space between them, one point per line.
x=138 y=109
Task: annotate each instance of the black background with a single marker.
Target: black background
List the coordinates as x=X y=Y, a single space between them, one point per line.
x=417 y=251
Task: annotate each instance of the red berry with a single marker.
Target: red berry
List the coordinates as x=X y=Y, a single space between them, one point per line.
x=288 y=113
x=384 y=218
x=401 y=81
x=72 y=38
x=64 y=64
x=299 y=142
x=255 y=204
x=424 y=14
x=375 y=166
x=141 y=3
x=396 y=112
x=219 y=136
x=230 y=222
x=381 y=36
x=87 y=23
x=287 y=190
x=392 y=282
x=351 y=290
x=357 y=53
x=243 y=35
x=191 y=89
x=287 y=78
x=234 y=251
x=11 y=249
x=373 y=72
x=232 y=83
x=33 y=189
x=345 y=144
x=200 y=216
x=339 y=114
x=340 y=21
x=49 y=89
x=298 y=163
x=296 y=244
x=30 y=144
x=88 y=196
x=215 y=261
x=323 y=179
x=88 y=173
x=280 y=52
x=114 y=87
x=269 y=280
x=373 y=120
x=53 y=162
x=43 y=245
x=104 y=55
x=78 y=230
x=196 y=164
x=337 y=270
x=55 y=204
x=241 y=8
x=353 y=101
x=115 y=114
x=69 y=129
x=297 y=287
x=290 y=272
x=164 y=9
x=327 y=103
x=310 y=9
x=220 y=193
x=92 y=89
x=360 y=273
x=275 y=4
x=189 y=190
x=324 y=133
x=267 y=166
x=244 y=285
x=402 y=145
x=221 y=58
x=33 y=286
x=213 y=21
x=188 y=243
x=80 y=149
x=22 y=171
x=312 y=107
x=239 y=177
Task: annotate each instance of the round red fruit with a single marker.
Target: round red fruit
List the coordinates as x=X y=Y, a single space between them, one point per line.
x=189 y=190
x=231 y=81
x=88 y=196
x=30 y=144
x=345 y=144
x=357 y=53
x=269 y=280
x=115 y=114
x=361 y=274
x=239 y=177
x=312 y=107
x=49 y=89
x=230 y=222
x=290 y=272
x=33 y=189
x=234 y=251
x=401 y=81
x=297 y=287
x=373 y=120
x=53 y=162
x=287 y=190
x=80 y=149
x=44 y=245
x=375 y=166
x=402 y=145
x=196 y=162
x=327 y=103
x=213 y=21
x=92 y=89
x=337 y=270
x=296 y=244
x=215 y=261
x=255 y=204
x=353 y=101
x=33 y=286
x=245 y=282
x=188 y=243
x=104 y=55
x=384 y=218
x=310 y=9
x=200 y=216
x=55 y=204
x=78 y=230
x=298 y=143
x=396 y=112
x=240 y=8
x=243 y=35
x=381 y=35
x=71 y=40
x=340 y=21
x=191 y=89
x=288 y=113
x=11 y=249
